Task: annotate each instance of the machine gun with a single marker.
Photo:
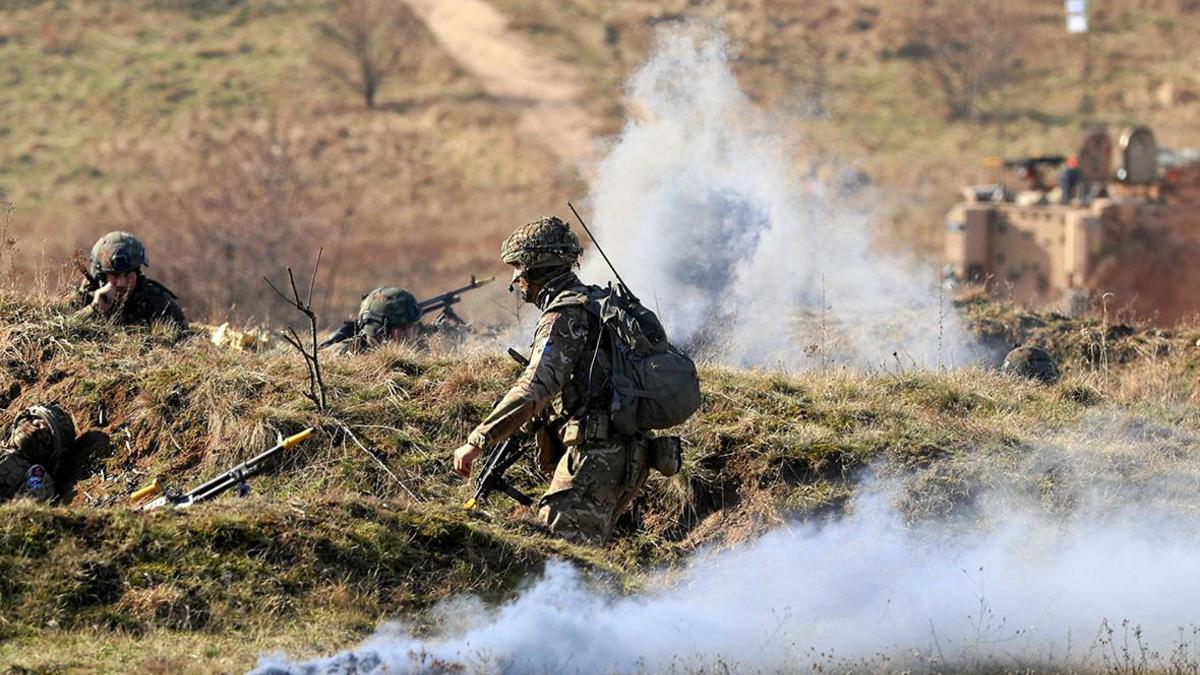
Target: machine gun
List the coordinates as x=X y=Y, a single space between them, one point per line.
x=446 y=301
x=235 y=477
x=1038 y=161
x=491 y=477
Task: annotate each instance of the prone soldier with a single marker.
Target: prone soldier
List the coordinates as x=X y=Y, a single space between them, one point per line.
x=386 y=314
x=40 y=439
x=115 y=287
x=393 y=314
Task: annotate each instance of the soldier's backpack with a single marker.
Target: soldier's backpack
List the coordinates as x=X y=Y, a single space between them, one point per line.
x=655 y=385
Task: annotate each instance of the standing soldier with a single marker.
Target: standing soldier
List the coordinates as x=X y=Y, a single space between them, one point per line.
x=117 y=290
x=597 y=471
x=40 y=439
x=385 y=314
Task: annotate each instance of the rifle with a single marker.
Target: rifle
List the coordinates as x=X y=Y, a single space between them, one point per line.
x=445 y=301
x=235 y=477
x=491 y=477
x=347 y=330
x=1040 y=160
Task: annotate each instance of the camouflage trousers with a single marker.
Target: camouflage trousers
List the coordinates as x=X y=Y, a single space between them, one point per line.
x=20 y=477
x=593 y=485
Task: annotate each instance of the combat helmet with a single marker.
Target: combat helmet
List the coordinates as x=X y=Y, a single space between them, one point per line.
x=1034 y=363
x=387 y=307
x=62 y=427
x=118 y=252
x=545 y=242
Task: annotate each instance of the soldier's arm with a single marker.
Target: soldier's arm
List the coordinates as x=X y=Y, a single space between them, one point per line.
x=82 y=298
x=175 y=314
x=344 y=332
x=559 y=342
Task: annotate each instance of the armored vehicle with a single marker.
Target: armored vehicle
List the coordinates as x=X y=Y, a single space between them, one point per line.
x=1122 y=224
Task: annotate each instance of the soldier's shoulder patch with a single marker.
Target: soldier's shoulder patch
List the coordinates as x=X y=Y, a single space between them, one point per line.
x=35 y=479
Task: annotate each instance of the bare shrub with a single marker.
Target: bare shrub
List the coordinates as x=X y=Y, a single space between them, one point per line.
x=232 y=206
x=365 y=43
x=965 y=52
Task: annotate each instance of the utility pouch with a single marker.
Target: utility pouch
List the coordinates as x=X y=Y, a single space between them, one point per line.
x=572 y=433
x=666 y=454
x=550 y=449
x=595 y=427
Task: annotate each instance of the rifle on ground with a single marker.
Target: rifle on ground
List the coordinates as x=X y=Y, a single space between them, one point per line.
x=491 y=477
x=446 y=301
x=235 y=477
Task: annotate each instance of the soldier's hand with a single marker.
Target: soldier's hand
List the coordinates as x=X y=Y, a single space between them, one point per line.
x=103 y=297
x=464 y=456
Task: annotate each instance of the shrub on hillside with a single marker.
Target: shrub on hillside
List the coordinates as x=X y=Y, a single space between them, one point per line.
x=234 y=206
x=964 y=53
x=364 y=43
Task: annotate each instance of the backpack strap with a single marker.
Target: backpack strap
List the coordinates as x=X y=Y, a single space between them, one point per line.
x=575 y=297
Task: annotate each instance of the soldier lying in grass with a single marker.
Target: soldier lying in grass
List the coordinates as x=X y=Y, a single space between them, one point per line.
x=40 y=439
x=116 y=289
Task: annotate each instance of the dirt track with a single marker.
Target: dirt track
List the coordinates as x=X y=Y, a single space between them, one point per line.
x=547 y=91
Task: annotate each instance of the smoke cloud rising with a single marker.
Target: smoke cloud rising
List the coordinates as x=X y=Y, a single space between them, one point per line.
x=1007 y=582
x=1038 y=568
x=708 y=222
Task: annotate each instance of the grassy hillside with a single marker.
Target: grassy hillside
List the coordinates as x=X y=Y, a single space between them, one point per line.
x=182 y=119
x=197 y=123
x=330 y=543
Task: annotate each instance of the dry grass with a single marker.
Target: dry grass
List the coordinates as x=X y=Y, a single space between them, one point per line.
x=331 y=543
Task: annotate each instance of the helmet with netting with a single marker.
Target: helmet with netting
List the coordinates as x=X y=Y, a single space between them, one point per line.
x=62 y=427
x=118 y=252
x=385 y=308
x=545 y=242
x=1034 y=363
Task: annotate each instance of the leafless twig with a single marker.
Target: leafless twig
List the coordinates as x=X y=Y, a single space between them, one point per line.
x=378 y=461
x=316 y=384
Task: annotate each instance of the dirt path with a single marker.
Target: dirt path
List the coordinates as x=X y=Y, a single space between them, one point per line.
x=548 y=92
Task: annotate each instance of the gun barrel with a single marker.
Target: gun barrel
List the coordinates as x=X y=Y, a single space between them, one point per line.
x=517 y=356
x=491 y=478
x=451 y=297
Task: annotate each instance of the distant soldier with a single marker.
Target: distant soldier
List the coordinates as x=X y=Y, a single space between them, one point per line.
x=385 y=314
x=41 y=437
x=117 y=290
x=1034 y=363
x=393 y=314
x=597 y=470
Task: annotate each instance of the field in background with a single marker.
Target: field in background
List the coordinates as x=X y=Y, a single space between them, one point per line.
x=210 y=133
x=840 y=75
x=179 y=119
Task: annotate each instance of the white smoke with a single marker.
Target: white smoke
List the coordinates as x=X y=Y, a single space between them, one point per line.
x=1104 y=583
x=702 y=214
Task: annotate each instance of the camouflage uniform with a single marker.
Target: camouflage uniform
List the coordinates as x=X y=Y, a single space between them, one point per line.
x=382 y=309
x=34 y=455
x=149 y=301
x=596 y=472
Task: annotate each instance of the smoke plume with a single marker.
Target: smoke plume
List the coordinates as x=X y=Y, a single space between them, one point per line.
x=1103 y=577
x=745 y=261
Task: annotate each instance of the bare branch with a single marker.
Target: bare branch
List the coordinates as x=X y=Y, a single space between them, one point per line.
x=312 y=362
x=365 y=43
x=379 y=461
